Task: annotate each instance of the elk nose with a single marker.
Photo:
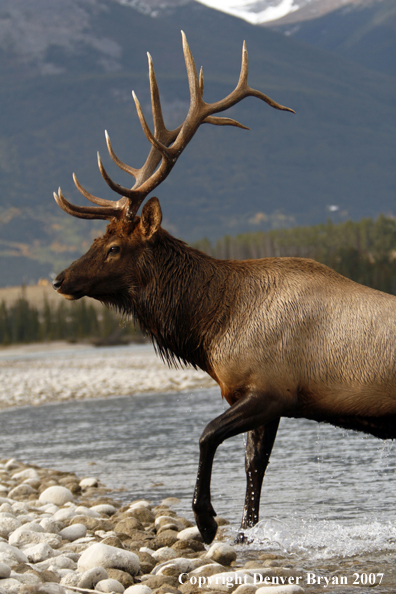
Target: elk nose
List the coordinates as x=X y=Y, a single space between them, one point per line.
x=57 y=283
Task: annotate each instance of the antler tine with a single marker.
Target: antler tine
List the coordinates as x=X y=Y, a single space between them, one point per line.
x=86 y=212
x=193 y=82
x=125 y=192
x=158 y=119
x=131 y=170
x=149 y=135
x=95 y=199
x=201 y=81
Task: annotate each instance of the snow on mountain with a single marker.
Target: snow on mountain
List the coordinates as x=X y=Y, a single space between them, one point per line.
x=255 y=13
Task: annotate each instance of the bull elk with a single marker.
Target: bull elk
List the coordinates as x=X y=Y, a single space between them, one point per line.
x=283 y=337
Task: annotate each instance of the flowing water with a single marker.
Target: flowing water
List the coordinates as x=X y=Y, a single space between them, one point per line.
x=328 y=500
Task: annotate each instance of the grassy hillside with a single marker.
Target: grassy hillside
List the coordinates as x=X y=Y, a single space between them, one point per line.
x=338 y=150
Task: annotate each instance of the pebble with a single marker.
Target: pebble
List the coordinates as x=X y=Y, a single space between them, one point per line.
x=54 y=540
x=57 y=495
x=110 y=586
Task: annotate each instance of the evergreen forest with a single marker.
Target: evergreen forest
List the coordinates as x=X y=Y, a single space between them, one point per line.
x=364 y=251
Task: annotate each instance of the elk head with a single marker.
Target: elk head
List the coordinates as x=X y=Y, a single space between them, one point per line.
x=101 y=273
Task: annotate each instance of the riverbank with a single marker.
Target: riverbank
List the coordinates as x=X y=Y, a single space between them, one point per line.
x=60 y=534
x=44 y=373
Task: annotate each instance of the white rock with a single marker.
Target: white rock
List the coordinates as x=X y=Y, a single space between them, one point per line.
x=21 y=491
x=181 y=564
x=57 y=495
x=11 y=555
x=91 y=577
x=162 y=521
x=164 y=554
x=11 y=586
x=73 y=532
x=190 y=534
x=138 y=589
x=149 y=551
x=222 y=553
x=28 y=473
x=26 y=578
x=23 y=538
x=140 y=503
x=64 y=514
x=5 y=508
x=12 y=464
x=87 y=482
x=49 y=525
x=105 y=508
x=87 y=511
x=51 y=508
x=110 y=586
x=208 y=570
x=70 y=579
x=286 y=589
x=106 y=556
x=39 y=552
x=52 y=588
x=8 y=523
x=5 y=571
x=60 y=562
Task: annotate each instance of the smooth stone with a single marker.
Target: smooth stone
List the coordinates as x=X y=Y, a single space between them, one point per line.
x=21 y=492
x=87 y=511
x=163 y=521
x=51 y=588
x=106 y=556
x=163 y=554
x=170 y=501
x=104 y=508
x=5 y=508
x=49 y=525
x=39 y=552
x=23 y=538
x=190 y=534
x=28 y=579
x=140 y=503
x=287 y=589
x=138 y=589
x=74 y=532
x=11 y=555
x=12 y=464
x=181 y=564
x=87 y=482
x=109 y=585
x=51 y=508
x=209 y=569
x=28 y=473
x=5 y=571
x=60 y=562
x=64 y=514
x=222 y=553
x=91 y=577
x=57 y=495
x=246 y=589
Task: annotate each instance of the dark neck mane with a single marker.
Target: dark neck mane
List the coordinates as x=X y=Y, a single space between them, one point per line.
x=180 y=300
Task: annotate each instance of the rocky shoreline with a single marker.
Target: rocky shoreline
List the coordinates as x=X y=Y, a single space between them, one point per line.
x=60 y=534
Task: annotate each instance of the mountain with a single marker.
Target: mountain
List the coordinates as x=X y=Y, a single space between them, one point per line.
x=67 y=70
x=364 y=32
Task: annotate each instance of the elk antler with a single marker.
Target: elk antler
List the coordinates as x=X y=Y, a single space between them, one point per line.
x=167 y=145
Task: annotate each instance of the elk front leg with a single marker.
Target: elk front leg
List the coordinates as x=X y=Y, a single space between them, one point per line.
x=257 y=454
x=250 y=412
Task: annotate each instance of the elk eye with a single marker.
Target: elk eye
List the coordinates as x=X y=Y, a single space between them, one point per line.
x=114 y=249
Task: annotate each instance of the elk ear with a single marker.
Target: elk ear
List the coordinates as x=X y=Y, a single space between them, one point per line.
x=151 y=218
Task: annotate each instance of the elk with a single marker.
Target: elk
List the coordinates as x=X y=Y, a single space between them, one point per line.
x=283 y=337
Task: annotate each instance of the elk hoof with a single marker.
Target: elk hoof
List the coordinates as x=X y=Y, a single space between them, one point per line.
x=207 y=526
